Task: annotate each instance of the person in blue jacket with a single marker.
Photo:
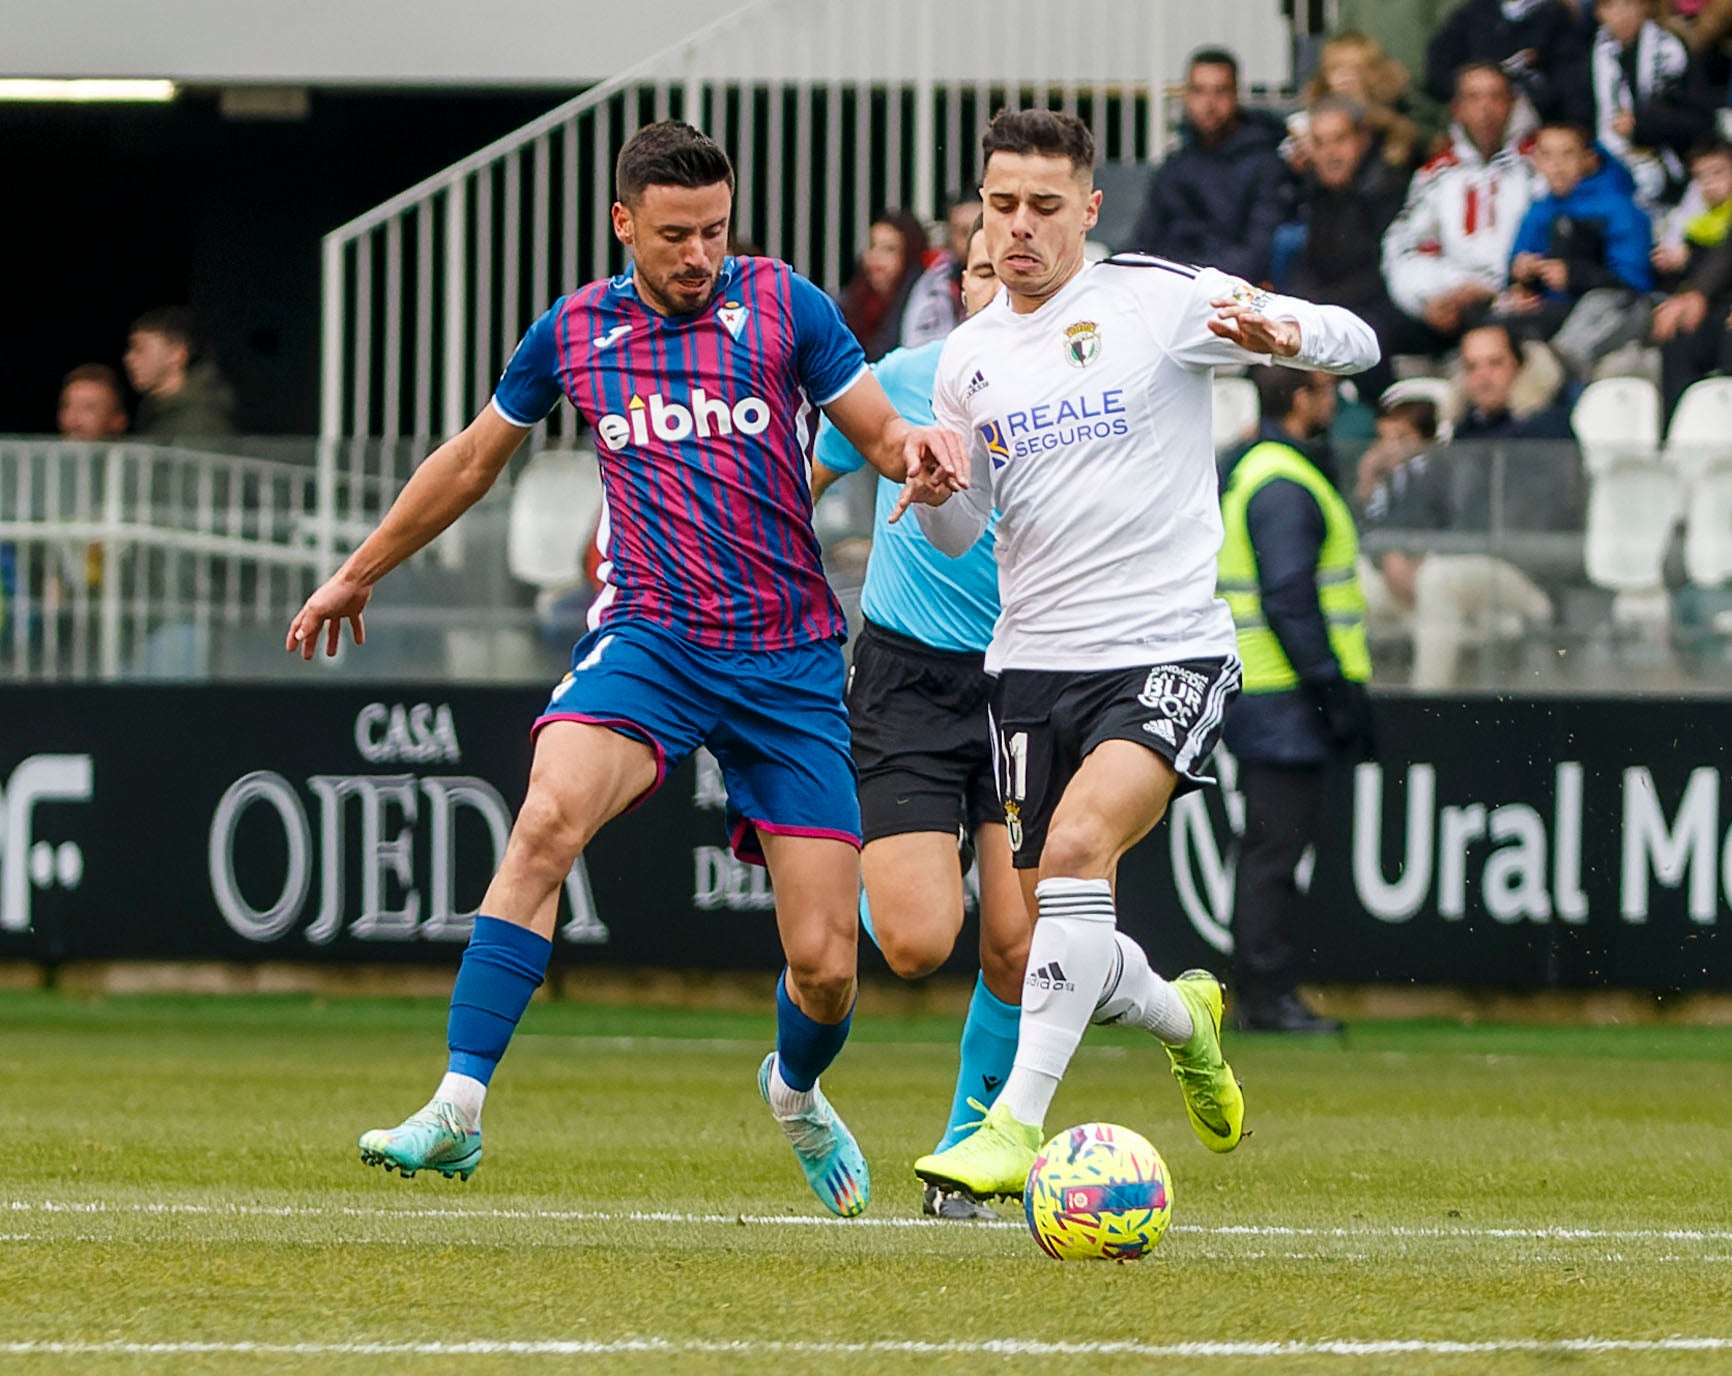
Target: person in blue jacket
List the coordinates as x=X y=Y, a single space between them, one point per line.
x=1580 y=269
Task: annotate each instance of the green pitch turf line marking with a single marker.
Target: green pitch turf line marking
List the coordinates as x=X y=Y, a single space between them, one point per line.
x=461 y=1212
x=1008 y=1347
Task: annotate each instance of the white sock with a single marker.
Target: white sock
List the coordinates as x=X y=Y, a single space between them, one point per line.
x=1069 y=958
x=1134 y=994
x=467 y=1094
x=784 y=1099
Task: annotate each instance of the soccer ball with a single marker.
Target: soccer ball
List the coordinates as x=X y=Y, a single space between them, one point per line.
x=1098 y=1192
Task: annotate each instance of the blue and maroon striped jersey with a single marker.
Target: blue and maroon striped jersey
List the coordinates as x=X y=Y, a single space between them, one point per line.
x=704 y=425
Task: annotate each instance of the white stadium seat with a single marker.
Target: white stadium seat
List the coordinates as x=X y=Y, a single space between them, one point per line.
x=1634 y=497
x=1238 y=412
x=1699 y=447
x=554 y=505
x=1617 y=421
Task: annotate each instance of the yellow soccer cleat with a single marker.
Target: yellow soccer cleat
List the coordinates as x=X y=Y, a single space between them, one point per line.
x=990 y=1163
x=1213 y=1100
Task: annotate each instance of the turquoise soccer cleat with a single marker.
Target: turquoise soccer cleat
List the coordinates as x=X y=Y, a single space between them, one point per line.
x=826 y=1150
x=433 y=1139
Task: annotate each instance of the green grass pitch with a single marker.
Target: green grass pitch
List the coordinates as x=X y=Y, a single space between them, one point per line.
x=181 y=1193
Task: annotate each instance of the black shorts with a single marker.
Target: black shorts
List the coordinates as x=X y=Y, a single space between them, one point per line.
x=920 y=734
x=1045 y=725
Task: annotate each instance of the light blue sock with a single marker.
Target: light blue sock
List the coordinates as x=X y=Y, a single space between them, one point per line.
x=866 y=917
x=988 y=1050
x=502 y=967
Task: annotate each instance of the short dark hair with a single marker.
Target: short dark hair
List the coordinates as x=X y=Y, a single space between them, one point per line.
x=1496 y=327
x=177 y=324
x=1042 y=133
x=1567 y=126
x=671 y=153
x=1467 y=69
x=99 y=373
x=1711 y=147
x=1417 y=412
x=1214 y=57
x=978 y=224
x=1277 y=388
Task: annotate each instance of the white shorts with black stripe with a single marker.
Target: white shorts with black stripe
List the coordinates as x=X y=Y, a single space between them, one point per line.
x=1044 y=725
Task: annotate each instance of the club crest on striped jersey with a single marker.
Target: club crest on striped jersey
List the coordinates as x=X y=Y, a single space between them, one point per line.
x=733 y=317
x=993 y=433
x=1082 y=343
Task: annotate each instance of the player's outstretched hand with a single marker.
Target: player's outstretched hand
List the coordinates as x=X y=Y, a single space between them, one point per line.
x=1249 y=328
x=937 y=461
x=339 y=600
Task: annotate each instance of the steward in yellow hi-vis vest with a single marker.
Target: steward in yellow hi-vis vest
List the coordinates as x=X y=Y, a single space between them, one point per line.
x=1287 y=571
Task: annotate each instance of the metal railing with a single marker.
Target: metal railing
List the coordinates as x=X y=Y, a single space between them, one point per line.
x=831 y=109
x=118 y=558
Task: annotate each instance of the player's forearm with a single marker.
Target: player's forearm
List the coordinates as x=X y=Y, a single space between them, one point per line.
x=447 y=483
x=1332 y=339
x=954 y=527
x=887 y=452
x=823 y=477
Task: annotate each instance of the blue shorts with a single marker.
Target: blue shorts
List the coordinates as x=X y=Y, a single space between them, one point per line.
x=774 y=720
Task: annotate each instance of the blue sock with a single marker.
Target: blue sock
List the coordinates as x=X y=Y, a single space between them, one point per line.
x=804 y=1048
x=502 y=967
x=988 y=1049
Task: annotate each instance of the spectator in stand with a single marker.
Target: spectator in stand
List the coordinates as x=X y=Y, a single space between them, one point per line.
x=1454 y=599
x=1353 y=66
x=92 y=406
x=1650 y=104
x=935 y=304
x=1531 y=40
x=1447 y=254
x=1579 y=272
x=1406 y=433
x=1218 y=198
x=1701 y=220
x=1402 y=28
x=91 y=410
x=1690 y=326
x=1351 y=196
x=875 y=301
x=184 y=396
x=1704 y=25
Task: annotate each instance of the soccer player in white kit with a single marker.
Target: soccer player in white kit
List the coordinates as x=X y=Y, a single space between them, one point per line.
x=1085 y=391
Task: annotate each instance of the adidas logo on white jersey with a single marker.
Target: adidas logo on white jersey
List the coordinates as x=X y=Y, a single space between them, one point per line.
x=976 y=384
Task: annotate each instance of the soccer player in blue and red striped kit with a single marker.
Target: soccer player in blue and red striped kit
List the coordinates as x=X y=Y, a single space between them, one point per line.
x=701 y=375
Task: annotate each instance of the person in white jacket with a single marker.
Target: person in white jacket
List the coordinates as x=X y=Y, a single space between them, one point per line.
x=1447 y=254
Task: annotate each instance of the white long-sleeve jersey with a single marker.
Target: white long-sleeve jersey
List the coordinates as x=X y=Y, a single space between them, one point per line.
x=1459 y=222
x=1090 y=429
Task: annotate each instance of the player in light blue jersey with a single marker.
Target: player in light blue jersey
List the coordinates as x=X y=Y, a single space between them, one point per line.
x=917 y=708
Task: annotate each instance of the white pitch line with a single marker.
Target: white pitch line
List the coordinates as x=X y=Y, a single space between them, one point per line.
x=465 y=1212
x=1004 y=1347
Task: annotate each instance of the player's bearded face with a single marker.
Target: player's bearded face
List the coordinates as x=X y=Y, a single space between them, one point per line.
x=1038 y=210
x=678 y=237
